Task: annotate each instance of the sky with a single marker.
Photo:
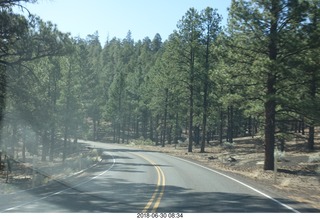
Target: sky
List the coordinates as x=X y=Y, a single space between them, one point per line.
x=114 y=18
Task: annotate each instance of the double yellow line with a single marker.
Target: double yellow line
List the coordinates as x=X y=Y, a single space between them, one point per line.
x=156 y=197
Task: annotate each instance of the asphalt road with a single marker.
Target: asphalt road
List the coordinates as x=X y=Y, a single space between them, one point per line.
x=131 y=181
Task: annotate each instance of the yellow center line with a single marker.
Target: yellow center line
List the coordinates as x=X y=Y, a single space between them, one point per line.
x=160 y=184
x=154 y=193
x=157 y=203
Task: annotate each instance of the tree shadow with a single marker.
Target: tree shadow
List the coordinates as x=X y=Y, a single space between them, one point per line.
x=299 y=172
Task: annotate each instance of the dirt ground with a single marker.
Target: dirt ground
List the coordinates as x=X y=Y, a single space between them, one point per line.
x=298 y=175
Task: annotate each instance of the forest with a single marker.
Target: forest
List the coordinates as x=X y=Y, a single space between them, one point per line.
x=259 y=75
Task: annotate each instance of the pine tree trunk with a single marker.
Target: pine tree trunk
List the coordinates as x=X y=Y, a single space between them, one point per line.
x=44 y=146
x=197 y=134
x=14 y=140
x=3 y=89
x=52 y=143
x=151 y=129
x=65 y=141
x=118 y=132
x=145 y=124
x=124 y=123
x=311 y=138
x=221 y=127
x=137 y=129
x=249 y=128
x=24 y=136
x=157 y=130
x=205 y=95
x=177 y=133
x=313 y=91
x=270 y=104
x=269 y=134
x=128 y=131
x=170 y=135
x=94 y=134
x=204 y=117
x=114 y=132
x=230 y=125
x=165 y=117
x=190 y=118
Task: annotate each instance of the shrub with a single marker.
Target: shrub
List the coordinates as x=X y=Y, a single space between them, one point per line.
x=279 y=155
x=315 y=158
x=142 y=141
x=228 y=145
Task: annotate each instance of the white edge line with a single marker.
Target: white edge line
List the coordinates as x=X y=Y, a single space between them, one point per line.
x=56 y=193
x=250 y=187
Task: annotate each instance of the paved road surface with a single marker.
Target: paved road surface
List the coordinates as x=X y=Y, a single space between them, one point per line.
x=131 y=181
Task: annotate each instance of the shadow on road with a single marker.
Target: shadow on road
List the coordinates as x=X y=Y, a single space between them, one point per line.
x=114 y=195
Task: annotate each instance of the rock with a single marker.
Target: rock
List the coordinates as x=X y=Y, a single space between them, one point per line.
x=212 y=158
x=231 y=159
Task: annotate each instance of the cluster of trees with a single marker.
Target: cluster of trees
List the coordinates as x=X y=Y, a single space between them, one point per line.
x=260 y=73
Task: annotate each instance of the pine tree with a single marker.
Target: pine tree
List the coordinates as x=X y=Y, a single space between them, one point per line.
x=188 y=44
x=262 y=29
x=210 y=20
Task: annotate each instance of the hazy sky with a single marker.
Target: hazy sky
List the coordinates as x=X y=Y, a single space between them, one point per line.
x=114 y=18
